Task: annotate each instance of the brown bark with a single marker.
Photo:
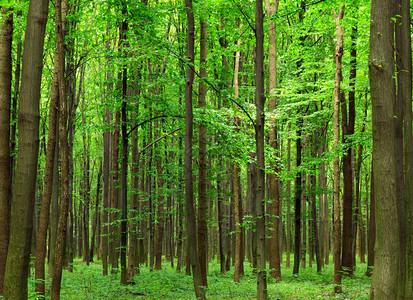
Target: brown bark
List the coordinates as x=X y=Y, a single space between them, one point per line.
x=5 y=170
x=64 y=156
x=159 y=234
x=21 y=221
x=259 y=140
x=274 y=194
x=371 y=230
x=114 y=197
x=348 y=202
x=48 y=182
x=404 y=148
x=288 y=225
x=94 y=241
x=336 y=166
x=189 y=193
x=238 y=210
x=202 y=180
x=386 y=275
x=125 y=144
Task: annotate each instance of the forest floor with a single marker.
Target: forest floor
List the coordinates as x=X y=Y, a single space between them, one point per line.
x=87 y=282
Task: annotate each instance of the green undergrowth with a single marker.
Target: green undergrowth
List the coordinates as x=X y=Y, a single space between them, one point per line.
x=87 y=282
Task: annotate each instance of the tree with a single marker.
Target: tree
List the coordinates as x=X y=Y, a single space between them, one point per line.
x=5 y=102
x=383 y=93
x=336 y=167
x=64 y=153
x=48 y=181
x=21 y=221
x=202 y=180
x=259 y=140
x=273 y=176
x=189 y=194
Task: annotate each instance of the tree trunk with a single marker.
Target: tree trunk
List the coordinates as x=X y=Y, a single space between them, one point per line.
x=64 y=155
x=48 y=182
x=189 y=193
x=125 y=144
x=21 y=220
x=238 y=211
x=202 y=180
x=114 y=199
x=105 y=194
x=336 y=166
x=404 y=83
x=297 y=202
x=384 y=284
x=259 y=140
x=288 y=225
x=5 y=102
x=95 y=222
x=371 y=229
x=274 y=194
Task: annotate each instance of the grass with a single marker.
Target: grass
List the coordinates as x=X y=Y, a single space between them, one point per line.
x=87 y=282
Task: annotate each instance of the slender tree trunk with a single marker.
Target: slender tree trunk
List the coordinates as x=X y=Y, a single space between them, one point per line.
x=384 y=284
x=114 y=199
x=54 y=206
x=5 y=170
x=336 y=167
x=288 y=225
x=189 y=193
x=404 y=84
x=105 y=194
x=202 y=180
x=297 y=202
x=348 y=195
x=64 y=156
x=48 y=183
x=160 y=226
x=238 y=211
x=125 y=144
x=406 y=78
x=259 y=140
x=371 y=229
x=21 y=221
x=95 y=222
x=274 y=194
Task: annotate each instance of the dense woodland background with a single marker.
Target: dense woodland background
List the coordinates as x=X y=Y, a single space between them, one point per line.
x=206 y=136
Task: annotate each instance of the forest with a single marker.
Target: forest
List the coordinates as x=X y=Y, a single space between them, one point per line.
x=206 y=149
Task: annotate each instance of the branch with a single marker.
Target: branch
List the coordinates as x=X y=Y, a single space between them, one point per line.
x=157 y=140
x=245 y=16
x=149 y=120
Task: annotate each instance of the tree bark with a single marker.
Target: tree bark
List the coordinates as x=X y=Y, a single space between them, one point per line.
x=48 y=182
x=274 y=194
x=64 y=156
x=21 y=221
x=189 y=193
x=348 y=180
x=238 y=210
x=259 y=141
x=336 y=166
x=125 y=144
x=202 y=180
x=404 y=84
x=384 y=284
x=5 y=168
